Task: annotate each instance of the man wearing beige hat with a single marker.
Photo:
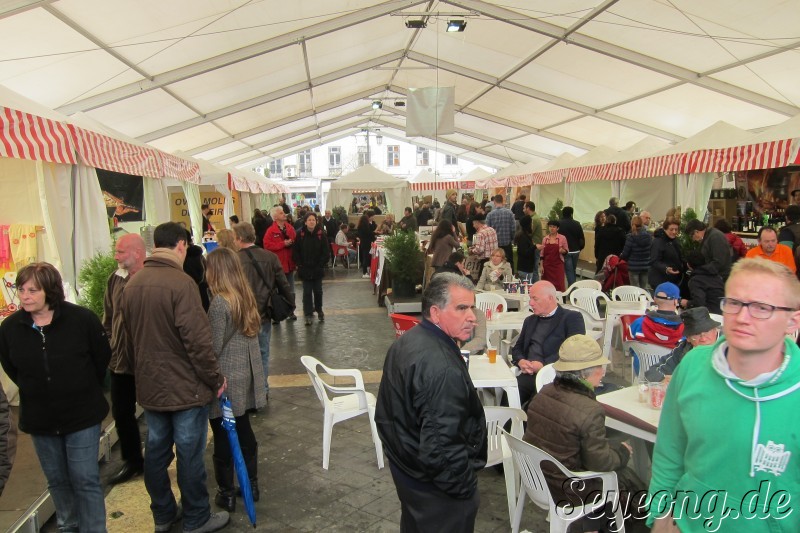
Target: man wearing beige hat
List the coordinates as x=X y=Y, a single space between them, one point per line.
x=450 y=208
x=566 y=420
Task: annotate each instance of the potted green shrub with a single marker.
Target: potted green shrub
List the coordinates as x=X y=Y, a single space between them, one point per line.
x=406 y=263
x=340 y=214
x=555 y=211
x=686 y=243
x=93 y=279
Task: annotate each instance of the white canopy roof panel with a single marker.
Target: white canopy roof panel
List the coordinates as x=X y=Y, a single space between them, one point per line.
x=238 y=81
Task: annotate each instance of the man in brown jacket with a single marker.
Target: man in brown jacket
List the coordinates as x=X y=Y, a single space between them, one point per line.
x=177 y=377
x=273 y=276
x=130 y=254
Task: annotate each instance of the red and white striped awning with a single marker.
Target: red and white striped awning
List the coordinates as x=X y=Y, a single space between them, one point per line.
x=178 y=168
x=441 y=185
x=26 y=136
x=548 y=177
x=101 y=151
x=649 y=167
x=773 y=154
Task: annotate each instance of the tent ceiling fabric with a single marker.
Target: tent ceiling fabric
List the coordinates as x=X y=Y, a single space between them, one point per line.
x=235 y=81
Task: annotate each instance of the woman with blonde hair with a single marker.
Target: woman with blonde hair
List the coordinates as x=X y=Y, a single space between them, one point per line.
x=225 y=239
x=235 y=324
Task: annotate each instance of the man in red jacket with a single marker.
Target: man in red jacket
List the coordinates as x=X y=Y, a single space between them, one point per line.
x=279 y=239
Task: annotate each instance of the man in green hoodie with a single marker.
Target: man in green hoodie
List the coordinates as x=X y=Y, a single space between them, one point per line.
x=726 y=453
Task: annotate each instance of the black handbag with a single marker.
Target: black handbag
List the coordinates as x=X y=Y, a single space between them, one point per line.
x=279 y=308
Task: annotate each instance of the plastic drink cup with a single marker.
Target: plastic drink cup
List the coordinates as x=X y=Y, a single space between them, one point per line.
x=489 y=314
x=492 y=353
x=644 y=391
x=465 y=356
x=657 y=393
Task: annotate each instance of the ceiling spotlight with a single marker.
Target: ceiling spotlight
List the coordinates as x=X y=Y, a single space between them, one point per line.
x=416 y=24
x=377 y=104
x=456 y=25
x=399 y=103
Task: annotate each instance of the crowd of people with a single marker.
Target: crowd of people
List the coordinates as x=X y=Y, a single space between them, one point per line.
x=176 y=343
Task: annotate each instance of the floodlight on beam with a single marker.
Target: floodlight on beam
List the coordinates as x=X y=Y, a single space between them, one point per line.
x=416 y=24
x=456 y=25
x=377 y=104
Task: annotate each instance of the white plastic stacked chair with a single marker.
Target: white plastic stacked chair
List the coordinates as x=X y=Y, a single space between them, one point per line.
x=630 y=293
x=498 y=452
x=528 y=460
x=342 y=403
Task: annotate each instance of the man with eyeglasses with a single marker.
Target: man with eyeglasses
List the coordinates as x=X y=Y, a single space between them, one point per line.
x=726 y=424
x=699 y=330
x=769 y=248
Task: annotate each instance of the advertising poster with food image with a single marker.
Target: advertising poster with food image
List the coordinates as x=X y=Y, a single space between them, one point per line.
x=123 y=195
x=769 y=190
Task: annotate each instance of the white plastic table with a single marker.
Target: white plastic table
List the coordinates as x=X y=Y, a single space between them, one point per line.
x=499 y=375
x=505 y=323
x=627 y=400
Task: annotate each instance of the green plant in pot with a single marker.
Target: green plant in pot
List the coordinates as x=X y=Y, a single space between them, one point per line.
x=555 y=211
x=93 y=278
x=340 y=214
x=685 y=241
x=406 y=263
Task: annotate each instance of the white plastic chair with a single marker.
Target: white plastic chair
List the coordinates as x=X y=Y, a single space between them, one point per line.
x=544 y=376
x=498 y=452
x=580 y=284
x=488 y=300
x=630 y=293
x=644 y=354
x=342 y=403
x=528 y=460
x=586 y=299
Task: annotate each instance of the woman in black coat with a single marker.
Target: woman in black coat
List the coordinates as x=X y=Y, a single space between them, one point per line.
x=666 y=260
x=609 y=239
x=310 y=252
x=526 y=250
x=366 y=233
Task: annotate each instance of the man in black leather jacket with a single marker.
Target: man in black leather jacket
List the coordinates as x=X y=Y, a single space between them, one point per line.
x=428 y=414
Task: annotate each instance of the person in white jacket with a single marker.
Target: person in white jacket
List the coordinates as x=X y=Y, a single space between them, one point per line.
x=494 y=272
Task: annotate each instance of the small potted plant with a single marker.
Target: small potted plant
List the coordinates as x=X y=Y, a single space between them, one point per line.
x=406 y=263
x=93 y=279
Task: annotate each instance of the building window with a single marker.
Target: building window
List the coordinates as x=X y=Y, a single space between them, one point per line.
x=363 y=156
x=304 y=163
x=335 y=156
x=276 y=168
x=450 y=160
x=422 y=156
x=393 y=156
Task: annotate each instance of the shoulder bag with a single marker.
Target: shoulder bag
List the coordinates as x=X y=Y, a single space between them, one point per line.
x=279 y=308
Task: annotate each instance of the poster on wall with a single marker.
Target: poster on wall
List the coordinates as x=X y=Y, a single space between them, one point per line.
x=179 y=210
x=769 y=190
x=123 y=195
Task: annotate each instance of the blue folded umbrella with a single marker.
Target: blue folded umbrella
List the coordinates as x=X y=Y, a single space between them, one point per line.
x=229 y=423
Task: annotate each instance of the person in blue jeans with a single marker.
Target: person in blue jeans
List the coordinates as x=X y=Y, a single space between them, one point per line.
x=57 y=354
x=177 y=376
x=265 y=273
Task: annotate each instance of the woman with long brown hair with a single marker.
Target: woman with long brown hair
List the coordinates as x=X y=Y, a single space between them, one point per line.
x=235 y=323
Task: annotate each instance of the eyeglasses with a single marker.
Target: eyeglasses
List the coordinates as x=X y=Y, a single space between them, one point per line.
x=758 y=310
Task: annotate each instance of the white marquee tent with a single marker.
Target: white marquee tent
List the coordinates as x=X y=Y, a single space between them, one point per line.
x=368 y=179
